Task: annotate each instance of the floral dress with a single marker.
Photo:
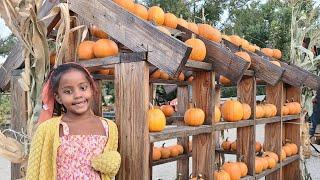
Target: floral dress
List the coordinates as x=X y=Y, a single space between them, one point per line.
x=75 y=153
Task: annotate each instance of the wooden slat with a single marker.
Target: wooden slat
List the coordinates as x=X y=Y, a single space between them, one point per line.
x=132 y=87
x=293 y=75
x=229 y=125
x=171 y=132
x=292 y=132
x=248 y=178
x=272 y=138
x=268 y=120
x=268 y=171
x=203 y=144
x=19 y=114
x=183 y=101
x=180 y=157
x=71 y=53
x=290 y=160
x=221 y=151
x=223 y=61
x=290 y=117
x=166 y=82
x=312 y=81
x=165 y=52
x=198 y=66
x=97 y=108
x=246 y=135
x=103 y=77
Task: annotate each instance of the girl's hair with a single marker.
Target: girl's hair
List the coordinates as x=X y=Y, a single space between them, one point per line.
x=54 y=80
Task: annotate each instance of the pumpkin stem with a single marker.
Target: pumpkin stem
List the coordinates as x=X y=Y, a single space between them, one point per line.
x=163 y=145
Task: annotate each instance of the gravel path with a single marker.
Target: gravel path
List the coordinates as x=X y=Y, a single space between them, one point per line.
x=168 y=171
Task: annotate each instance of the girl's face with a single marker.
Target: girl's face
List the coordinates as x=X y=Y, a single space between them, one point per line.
x=75 y=92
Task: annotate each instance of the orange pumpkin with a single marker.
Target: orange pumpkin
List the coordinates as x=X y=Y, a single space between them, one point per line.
x=287 y=150
x=111 y=71
x=165 y=152
x=174 y=151
x=181 y=77
x=258 y=147
x=226 y=37
x=258 y=165
x=272 y=155
x=251 y=48
x=246 y=111
x=156 y=120
x=85 y=50
x=164 y=75
x=126 y=4
x=221 y=175
x=97 y=32
x=259 y=112
x=244 y=56
x=243 y=168
x=234 y=145
x=283 y=154
x=183 y=23
x=199 y=50
x=156 y=74
x=276 y=63
x=268 y=110
x=156 y=14
x=264 y=163
x=257 y=48
x=267 y=51
x=273 y=109
x=170 y=20
x=294 y=148
x=277 y=53
x=190 y=79
x=53 y=58
x=194 y=117
x=226 y=145
x=156 y=154
x=217 y=114
x=271 y=162
x=233 y=169
x=236 y=40
x=141 y=11
x=167 y=110
x=104 y=71
x=180 y=148
x=104 y=48
x=223 y=80
x=285 y=110
x=193 y=27
x=294 y=108
x=245 y=44
x=209 y=32
x=232 y=110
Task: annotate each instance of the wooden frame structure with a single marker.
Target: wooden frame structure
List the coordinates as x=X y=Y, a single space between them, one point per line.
x=134 y=92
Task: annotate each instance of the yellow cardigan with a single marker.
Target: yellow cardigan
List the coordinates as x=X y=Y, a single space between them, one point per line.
x=44 y=146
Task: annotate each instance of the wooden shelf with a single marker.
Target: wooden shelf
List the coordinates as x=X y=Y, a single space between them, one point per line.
x=221 y=151
x=249 y=73
x=163 y=161
x=229 y=125
x=103 y=77
x=166 y=82
x=267 y=172
x=290 y=117
x=248 y=178
x=171 y=132
x=98 y=62
x=268 y=120
x=198 y=66
x=290 y=159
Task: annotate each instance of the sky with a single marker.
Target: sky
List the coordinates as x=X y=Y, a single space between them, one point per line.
x=4 y=32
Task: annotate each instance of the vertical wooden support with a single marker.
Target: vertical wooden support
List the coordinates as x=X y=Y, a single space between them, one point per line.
x=97 y=108
x=183 y=100
x=273 y=131
x=292 y=132
x=246 y=135
x=203 y=149
x=19 y=114
x=217 y=95
x=132 y=98
x=70 y=55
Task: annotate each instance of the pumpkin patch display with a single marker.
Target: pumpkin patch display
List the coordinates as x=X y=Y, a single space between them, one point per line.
x=267 y=51
x=285 y=110
x=221 y=175
x=232 y=110
x=156 y=154
x=223 y=80
x=277 y=53
x=156 y=120
x=104 y=48
x=226 y=145
x=271 y=162
x=258 y=146
x=244 y=56
x=97 y=32
x=283 y=154
x=85 y=50
x=217 y=114
x=233 y=169
x=246 y=111
x=260 y=113
x=156 y=15
x=243 y=168
x=170 y=20
x=193 y=27
x=258 y=166
x=167 y=110
x=234 y=145
x=156 y=74
x=183 y=23
x=194 y=117
x=272 y=155
x=126 y=4
x=174 y=151
x=294 y=108
x=165 y=152
x=164 y=75
x=236 y=40
x=141 y=11
x=209 y=32
x=199 y=50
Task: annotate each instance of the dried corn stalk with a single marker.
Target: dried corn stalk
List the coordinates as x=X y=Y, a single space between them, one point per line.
x=11 y=149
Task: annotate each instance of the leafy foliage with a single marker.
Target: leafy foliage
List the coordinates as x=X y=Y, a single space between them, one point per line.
x=5 y=107
x=7 y=44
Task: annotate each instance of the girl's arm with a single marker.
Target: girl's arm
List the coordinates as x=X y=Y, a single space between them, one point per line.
x=108 y=163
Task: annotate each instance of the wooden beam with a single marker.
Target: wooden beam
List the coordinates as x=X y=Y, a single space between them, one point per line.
x=165 y=52
x=132 y=87
x=223 y=61
x=97 y=107
x=293 y=75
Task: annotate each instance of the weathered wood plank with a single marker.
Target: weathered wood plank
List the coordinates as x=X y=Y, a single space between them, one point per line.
x=268 y=120
x=103 y=77
x=290 y=160
x=290 y=117
x=293 y=133
x=165 y=82
x=272 y=137
x=246 y=135
x=221 y=151
x=178 y=158
x=223 y=61
x=165 y=52
x=293 y=75
x=268 y=171
x=312 y=81
x=19 y=114
x=97 y=108
x=132 y=87
x=230 y=125
x=203 y=87
x=198 y=66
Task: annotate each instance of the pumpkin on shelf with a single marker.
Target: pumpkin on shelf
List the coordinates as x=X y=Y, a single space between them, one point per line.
x=267 y=52
x=164 y=75
x=126 y=4
x=167 y=110
x=246 y=111
x=260 y=112
x=111 y=71
x=258 y=166
x=277 y=53
x=226 y=145
x=294 y=108
x=287 y=149
x=199 y=50
x=174 y=151
x=217 y=114
x=183 y=23
x=272 y=155
x=283 y=154
x=258 y=146
x=264 y=162
x=156 y=15
x=156 y=74
x=277 y=63
x=193 y=27
x=140 y=11
x=221 y=175
x=243 y=168
x=244 y=56
x=236 y=40
x=285 y=110
x=170 y=20
x=181 y=77
x=156 y=154
x=97 y=32
x=224 y=81
x=232 y=110
x=194 y=117
x=165 y=152
x=180 y=148
x=156 y=120
x=209 y=32
x=234 y=145
x=104 y=48
x=85 y=50
x=294 y=147
x=103 y=71
x=233 y=169
x=271 y=162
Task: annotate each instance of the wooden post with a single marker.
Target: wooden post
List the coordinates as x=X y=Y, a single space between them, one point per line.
x=183 y=100
x=203 y=149
x=132 y=98
x=292 y=132
x=273 y=131
x=97 y=108
x=19 y=114
x=246 y=135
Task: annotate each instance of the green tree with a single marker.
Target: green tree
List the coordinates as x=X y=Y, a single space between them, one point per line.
x=7 y=44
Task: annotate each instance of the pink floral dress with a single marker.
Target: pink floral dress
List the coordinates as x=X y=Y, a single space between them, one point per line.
x=75 y=153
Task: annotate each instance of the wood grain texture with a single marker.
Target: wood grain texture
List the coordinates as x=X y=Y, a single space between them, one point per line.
x=273 y=131
x=71 y=52
x=165 y=52
x=230 y=125
x=198 y=66
x=312 y=81
x=246 y=135
x=131 y=106
x=293 y=75
x=183 y=101
x=203 y=144
x=19 y=114
x=223 y=61
x=97 y=103
x=293 y=133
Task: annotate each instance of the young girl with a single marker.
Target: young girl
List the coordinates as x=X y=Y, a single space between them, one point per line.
x=75 y=144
